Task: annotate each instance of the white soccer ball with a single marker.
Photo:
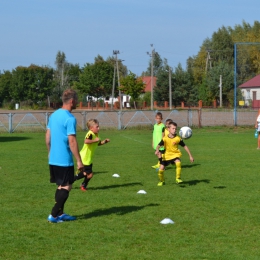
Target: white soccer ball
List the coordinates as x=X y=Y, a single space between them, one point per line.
x=185 y=132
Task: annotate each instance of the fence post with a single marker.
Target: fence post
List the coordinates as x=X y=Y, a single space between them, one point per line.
x=189 y=117
x=10 y=117
x=46 y=119
x=119 y=120
x=83 y=120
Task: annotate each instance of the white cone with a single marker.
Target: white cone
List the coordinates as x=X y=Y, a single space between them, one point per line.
x=142 y=192
x=116 y=175
x=167 y=221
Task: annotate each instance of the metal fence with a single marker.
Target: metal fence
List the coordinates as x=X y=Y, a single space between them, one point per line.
x=28 y=121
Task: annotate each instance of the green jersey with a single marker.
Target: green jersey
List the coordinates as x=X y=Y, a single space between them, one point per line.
x=158 y=130
x=88 y=150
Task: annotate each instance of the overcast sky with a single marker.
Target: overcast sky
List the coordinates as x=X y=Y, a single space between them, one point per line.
x=33 y=31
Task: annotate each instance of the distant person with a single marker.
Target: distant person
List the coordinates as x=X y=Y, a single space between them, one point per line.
x=172 y=154
x=257 y=126
x=158 y=133
x=62 y=144
x=91 y=142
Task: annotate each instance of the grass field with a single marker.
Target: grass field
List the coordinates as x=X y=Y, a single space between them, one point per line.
x=215 y=211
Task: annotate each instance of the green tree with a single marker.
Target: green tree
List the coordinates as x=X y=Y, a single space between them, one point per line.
x=31 y=83
x=133 y=86
x=96 y=79
x=5 y=85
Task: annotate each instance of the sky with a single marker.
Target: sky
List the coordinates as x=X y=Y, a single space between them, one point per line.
x=33 y=31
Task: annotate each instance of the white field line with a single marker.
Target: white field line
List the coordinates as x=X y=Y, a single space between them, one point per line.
x=127 y=137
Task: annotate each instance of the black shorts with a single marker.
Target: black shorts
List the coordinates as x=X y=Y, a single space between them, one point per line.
x=88 y=168
x=172 y=161
x=60 y=175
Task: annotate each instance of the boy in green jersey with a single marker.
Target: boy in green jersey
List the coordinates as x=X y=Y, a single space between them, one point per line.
x=158 y=133
x=91 y=142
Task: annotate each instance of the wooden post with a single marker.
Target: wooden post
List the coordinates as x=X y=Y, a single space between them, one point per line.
x=200 y=103
x=182 y=104
x=166 y=104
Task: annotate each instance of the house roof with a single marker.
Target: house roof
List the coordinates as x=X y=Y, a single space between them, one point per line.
x=148 y=81
x=252 y=83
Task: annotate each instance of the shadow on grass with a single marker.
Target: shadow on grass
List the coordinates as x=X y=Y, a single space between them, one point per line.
x=122 y=210
x=193 y=183
x=113 y=186
x=219 y=187
x=12 y=138
x=190 y=165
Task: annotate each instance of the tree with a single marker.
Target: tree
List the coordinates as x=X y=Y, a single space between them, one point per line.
x=61 y=75
x=96 y=79
x=157 y=65
x=133 y=86
x=5 y=85
x=32 y=84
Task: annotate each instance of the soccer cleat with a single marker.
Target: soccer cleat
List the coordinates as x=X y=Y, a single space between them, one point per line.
x=51 y=219
x=161 y=183
x=66 y=217
x=178 y=181
x=156 y=166
x=83 y=187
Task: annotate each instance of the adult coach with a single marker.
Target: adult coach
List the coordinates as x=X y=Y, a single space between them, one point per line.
x=62 y=144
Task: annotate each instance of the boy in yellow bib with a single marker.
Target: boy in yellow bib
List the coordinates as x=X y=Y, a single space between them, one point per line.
x=172 y=153
x=91 y=142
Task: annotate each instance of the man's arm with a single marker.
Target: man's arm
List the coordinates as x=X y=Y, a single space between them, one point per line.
x=75 y=150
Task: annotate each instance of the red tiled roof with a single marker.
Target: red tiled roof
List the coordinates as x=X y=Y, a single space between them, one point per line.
x=148 y=81
x=252 y=83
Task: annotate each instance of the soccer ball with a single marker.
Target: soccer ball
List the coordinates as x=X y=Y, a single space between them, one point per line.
x=185 y=132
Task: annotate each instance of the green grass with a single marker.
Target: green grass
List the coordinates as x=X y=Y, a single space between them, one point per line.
x=215 y=210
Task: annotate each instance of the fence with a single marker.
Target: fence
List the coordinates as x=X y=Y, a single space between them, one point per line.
x=28 y=121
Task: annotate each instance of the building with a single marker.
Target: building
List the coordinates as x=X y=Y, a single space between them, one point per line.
x=251 y=92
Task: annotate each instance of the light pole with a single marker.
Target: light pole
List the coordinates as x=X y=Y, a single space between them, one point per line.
x=151 y=55
x=115 y=53
x=170 y=87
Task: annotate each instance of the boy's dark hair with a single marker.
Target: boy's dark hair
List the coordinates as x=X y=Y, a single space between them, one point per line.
x=172 y=123
x=159 y=114
x=168 y=120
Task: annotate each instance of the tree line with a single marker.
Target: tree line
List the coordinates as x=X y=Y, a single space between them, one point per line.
x=39 y=86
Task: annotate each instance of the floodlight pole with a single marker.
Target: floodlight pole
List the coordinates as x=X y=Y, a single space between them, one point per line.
x=115 y=53
x=235 y=75
x=170 y=88
x=151 y=55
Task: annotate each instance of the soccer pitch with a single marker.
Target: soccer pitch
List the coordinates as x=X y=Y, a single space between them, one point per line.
x=215 y=211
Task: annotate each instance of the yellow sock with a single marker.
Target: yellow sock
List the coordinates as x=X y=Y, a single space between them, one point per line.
x=178 y=170
x=161 y=175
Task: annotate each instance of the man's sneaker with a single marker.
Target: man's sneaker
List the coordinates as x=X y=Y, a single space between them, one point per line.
x=178 y=181
x=83 y=187
x=66 y=217
x=156 y=166
x=161 y=183
x=54 y=220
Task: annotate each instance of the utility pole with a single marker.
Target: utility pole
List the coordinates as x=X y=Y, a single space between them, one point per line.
x=170 y=87
x=151 y=55
x=113 y=88
x=115 y=53
x=220 y=90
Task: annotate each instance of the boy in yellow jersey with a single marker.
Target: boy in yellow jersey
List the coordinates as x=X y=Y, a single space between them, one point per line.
x=158 y=133
x=91 y=142
x=172 y=153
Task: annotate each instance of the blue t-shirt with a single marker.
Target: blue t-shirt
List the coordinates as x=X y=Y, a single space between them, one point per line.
x=61 y=124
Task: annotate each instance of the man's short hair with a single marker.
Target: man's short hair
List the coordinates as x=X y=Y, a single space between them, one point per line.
x=69 y=94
